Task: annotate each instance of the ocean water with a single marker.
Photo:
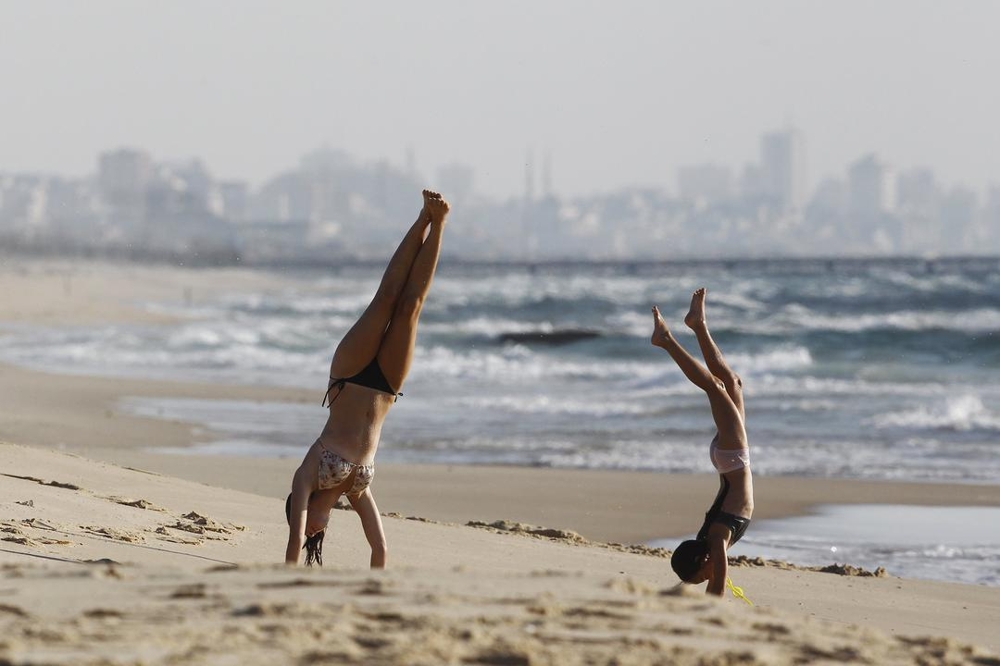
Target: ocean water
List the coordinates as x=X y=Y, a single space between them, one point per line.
x=855 y=369
x=880 y=369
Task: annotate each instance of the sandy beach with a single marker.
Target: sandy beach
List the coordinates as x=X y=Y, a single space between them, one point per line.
x=111 y=554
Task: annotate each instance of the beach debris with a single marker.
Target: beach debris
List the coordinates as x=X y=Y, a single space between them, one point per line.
x=850 y=570
x=193 y=591
x=110 y=567
x=164 y=535
x=210 y=525
x=19 y=540
x=529 y=530
x=39 y=524
x=13 y=534
x=195 y=523
x=138 y=503
x=839 y=569
x=103 y=613
x=113 y=533
x=54 y=484
x=13 y=610
x=375 y=586
x=638 y=549
x=27 y=503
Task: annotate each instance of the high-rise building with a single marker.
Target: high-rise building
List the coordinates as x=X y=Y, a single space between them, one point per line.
x=917 y=192
x=918 y=205
x=782 y=163
x=870 y=188
x=123 y=178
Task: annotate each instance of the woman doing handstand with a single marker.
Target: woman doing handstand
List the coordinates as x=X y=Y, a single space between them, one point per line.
x=704 y=557
x=367 y=371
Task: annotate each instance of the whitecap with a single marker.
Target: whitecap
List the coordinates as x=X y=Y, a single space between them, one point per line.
x=961 y=413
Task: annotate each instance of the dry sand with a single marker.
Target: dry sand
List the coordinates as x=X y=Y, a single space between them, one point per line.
x=103 y=564
x=173 y=561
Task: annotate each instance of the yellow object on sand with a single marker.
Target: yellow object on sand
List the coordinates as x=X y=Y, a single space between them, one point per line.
x=737 y=591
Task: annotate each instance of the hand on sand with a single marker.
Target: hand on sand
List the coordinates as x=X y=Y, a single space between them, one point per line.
x=696 y=314
x=661 y=334
x=435 y=207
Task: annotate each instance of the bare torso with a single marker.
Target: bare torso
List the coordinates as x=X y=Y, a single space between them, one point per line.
x=354 y=425
x=739 y=500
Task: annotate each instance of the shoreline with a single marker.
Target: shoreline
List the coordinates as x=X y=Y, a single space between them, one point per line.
x=77 y=413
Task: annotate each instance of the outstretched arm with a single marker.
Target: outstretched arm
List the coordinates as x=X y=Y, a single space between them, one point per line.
x=371 y=522
x=297 y=520
x=718 y=539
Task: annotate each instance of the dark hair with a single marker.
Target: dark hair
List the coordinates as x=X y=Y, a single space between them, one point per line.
x=314 y=544
x=688 y=558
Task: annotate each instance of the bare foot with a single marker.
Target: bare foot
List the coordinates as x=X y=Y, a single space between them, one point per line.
x=661 y=334
x=435 y=207
x=425 y=217
x=696 y=315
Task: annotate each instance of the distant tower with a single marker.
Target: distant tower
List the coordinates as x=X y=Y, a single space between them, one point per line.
x=529 y=176
x=782 y=163
x=547 y=175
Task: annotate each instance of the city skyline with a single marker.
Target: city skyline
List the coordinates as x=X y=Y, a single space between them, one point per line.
x=610 y=96
x=334 y=204
x=538 y=170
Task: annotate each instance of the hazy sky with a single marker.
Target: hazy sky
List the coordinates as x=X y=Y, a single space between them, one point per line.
x=618 y=93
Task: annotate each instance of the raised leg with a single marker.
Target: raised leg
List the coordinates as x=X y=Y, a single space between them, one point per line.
x=728 y=420
x=361 y=343
x=695 y=320
x=397 y=346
